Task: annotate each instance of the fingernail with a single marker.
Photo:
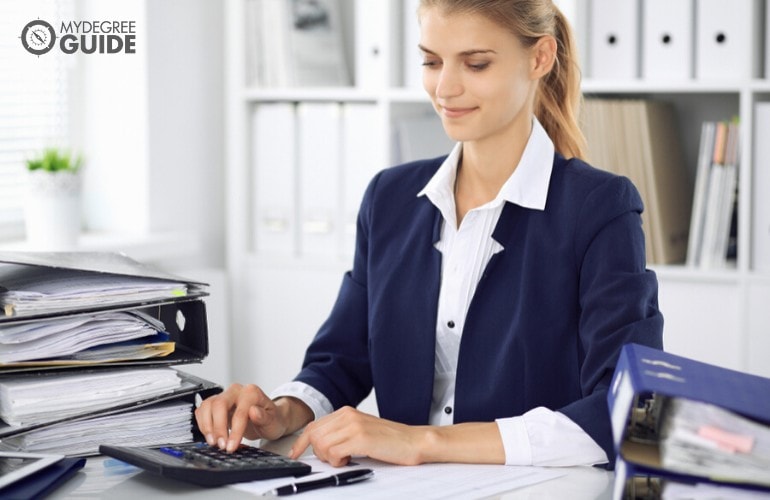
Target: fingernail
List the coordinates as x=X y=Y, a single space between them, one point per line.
x=210 y=439
x=221 y=443
x=291 y=452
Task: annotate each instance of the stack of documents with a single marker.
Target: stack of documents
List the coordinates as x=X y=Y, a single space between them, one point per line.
x=47 y=397
x=168 y=423
x=79 y=337
x=677 y=423
x=86 y=340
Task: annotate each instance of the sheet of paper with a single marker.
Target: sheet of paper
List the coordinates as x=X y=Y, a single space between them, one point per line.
x=428 y=481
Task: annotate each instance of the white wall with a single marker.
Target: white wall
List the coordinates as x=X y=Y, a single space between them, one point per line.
x=111 y=126
x=186 y=142
x=150 y=125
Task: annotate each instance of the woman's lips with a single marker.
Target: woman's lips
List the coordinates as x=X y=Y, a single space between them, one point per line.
x=456 y=112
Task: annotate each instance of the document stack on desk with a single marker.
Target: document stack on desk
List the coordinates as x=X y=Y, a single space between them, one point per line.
x=684 y=429
x=86 y=344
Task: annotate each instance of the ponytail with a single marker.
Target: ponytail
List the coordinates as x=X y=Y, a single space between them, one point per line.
x=557 y=102
x=558 y=95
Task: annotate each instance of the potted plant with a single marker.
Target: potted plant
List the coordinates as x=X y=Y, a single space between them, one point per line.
x=52 y=212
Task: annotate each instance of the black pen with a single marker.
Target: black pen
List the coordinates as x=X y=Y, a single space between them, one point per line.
x=341 y=479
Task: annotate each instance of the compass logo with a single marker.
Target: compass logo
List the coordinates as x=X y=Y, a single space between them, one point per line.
x=87 y=37
x=38 y=37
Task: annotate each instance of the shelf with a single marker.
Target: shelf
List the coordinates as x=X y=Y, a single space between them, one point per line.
x=760 y=85
x=684 y=273
x=320 y=94
x=664 y=87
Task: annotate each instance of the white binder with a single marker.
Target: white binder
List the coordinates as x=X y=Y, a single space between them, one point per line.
x=371 y=47
x=727 y=39
x=614 y=39
x=363 y=155
x=667 y=39
x=319 y=179
x=760 y=250
x=412 y=59
x=273 y=180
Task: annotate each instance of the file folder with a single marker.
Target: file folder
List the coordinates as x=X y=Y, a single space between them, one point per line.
x=83 y=282
x=186 y=326
x=44 y=482
x=274 y=219
x=614 y=39
x=412 y=58
x=319 y=177
x=760 y=252
x=667 y=39
x=643 y=373
x=371 y=47
x=636 y=481
x=728 y=35
x=363 y=155
x=191 y=390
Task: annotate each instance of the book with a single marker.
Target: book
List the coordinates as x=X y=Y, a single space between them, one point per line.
x=674 y=417
x=695 y=241
x=716 y=202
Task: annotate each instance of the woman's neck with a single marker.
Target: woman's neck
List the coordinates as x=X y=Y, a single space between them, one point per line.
x=487 y=164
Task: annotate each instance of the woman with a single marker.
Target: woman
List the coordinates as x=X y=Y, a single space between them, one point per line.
x=491 y=290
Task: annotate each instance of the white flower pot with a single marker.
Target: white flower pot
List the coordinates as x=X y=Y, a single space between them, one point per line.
x=52 y=211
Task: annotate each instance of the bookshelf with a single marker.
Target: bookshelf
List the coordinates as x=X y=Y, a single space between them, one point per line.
x=279 y=301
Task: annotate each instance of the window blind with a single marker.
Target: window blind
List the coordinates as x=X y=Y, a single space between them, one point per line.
x=34 y=102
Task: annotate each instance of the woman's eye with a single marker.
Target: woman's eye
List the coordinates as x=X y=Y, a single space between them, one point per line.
x=430 y=63
x=478 y=66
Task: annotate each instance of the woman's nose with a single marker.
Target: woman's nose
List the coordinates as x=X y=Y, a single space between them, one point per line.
x=449 y=84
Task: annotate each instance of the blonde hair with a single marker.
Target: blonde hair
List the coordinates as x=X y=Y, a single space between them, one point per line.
x=558 y=96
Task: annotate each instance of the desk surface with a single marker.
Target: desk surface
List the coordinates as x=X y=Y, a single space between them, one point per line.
x=108 y=478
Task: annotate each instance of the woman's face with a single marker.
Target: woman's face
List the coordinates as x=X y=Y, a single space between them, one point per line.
x=477 y=74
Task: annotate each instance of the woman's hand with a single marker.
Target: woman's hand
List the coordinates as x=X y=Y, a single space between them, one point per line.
x=245 y=411
x=347 y=432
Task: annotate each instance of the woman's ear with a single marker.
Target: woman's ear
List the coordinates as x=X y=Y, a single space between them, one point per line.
x=543 y=57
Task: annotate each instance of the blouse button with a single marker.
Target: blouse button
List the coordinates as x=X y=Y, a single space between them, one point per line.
x=448 y=410
x=450 y=324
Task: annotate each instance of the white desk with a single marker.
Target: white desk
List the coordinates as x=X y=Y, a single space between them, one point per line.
x=105 y=478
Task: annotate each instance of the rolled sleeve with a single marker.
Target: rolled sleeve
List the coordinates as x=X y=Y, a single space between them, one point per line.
x=317 y=402
x=544 y=437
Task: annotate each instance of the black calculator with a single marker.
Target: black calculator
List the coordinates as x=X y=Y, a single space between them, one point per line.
x=206 y=465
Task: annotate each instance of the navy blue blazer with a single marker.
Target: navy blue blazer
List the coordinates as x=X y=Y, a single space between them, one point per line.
x=544 y=328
